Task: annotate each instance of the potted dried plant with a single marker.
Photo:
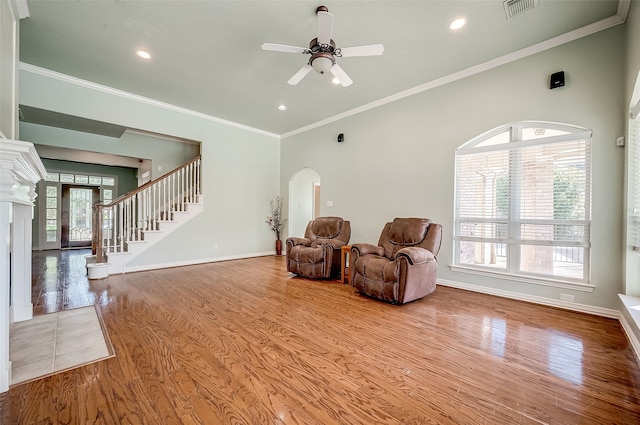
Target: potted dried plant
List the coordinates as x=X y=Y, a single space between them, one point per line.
x=275 y=221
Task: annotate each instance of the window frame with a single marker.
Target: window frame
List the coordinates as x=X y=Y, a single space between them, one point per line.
x=634 y=178
x=514 y=241
x=55 y=178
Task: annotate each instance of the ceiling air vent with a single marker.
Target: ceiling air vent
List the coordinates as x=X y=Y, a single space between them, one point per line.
x=516 y=7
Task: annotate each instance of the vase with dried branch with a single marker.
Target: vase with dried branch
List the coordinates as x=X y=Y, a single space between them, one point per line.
x=276 y=221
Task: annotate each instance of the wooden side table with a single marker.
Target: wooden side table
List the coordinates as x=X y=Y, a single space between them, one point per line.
x=344 y=263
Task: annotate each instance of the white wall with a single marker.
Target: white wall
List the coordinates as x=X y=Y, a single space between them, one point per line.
x=301 y=194
x=240 y=166
x=398 y=159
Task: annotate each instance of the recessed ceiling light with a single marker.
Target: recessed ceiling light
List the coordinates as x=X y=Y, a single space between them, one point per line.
x=282 y=107
x=143 y=54
x=335 y=81
x=457 y=24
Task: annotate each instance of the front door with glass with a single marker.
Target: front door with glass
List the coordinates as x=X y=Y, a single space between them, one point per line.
x=77 y=215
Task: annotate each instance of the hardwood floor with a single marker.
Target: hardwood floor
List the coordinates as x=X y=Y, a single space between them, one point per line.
x=243 y=342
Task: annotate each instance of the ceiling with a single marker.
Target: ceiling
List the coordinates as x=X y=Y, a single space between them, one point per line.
x=207 y=56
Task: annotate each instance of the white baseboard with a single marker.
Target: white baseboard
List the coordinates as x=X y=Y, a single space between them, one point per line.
x=146 y=267
x=5 y=378
x=582 y=308
x=19 y=313
x=630 y=335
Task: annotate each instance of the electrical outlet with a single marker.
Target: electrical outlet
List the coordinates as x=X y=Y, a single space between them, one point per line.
x=567 y=297
x=215 y=245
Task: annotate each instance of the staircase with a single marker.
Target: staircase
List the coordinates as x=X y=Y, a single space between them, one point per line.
x=132 y=223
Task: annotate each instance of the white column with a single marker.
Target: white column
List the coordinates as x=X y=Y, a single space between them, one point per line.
x=21 y=306
x=5 y=248
x=20 y=170
x=19 y=164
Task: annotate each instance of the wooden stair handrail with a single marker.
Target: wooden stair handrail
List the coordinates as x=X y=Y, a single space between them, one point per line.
x=97 y=248
x=150 y=183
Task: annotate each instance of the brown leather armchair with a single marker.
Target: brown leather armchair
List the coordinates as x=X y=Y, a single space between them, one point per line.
x=317 y=255
x=403 y=266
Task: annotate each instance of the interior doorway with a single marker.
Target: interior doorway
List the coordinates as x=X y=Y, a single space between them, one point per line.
x=304 y=200
x=316 y=200
x=77 y=215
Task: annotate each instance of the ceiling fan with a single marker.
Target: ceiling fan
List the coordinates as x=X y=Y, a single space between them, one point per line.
x=323 y=51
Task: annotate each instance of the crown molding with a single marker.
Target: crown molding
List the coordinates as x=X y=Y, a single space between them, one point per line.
x=603 y=24
x=25 y=67
x=623 y=9
x=20 y=9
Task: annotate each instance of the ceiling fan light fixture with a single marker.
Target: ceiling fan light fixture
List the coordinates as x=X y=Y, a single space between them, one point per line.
x=323 y=52
x=335 y=81
x=322 y=63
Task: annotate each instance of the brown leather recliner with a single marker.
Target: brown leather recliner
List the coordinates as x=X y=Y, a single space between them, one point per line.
x=317 y=255
x=403 y=266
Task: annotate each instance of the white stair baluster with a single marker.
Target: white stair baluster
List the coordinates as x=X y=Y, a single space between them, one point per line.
x=145 y=208
x=118 y=236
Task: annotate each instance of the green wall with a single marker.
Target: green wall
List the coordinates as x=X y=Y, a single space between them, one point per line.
x=240 y=165
x=398 y=159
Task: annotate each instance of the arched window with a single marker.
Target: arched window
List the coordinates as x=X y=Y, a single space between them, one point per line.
x=523 y=203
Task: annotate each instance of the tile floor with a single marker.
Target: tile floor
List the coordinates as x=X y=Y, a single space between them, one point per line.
x=54 y=342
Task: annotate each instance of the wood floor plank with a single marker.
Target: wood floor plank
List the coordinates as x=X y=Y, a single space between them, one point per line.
x=244 y=342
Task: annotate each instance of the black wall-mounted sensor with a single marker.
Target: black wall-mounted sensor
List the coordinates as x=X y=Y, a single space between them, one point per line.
x=340 y=138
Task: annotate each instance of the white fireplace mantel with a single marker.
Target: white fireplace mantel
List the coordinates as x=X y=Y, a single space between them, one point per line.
x=20 y=170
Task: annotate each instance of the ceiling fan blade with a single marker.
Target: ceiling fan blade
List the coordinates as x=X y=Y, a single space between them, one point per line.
x=300 y=75
x=369 y=50
x=342 y=76
x=325 y=26
x=284 y=48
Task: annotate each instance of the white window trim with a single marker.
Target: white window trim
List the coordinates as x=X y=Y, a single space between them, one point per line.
x=42 y=233
x=558 y=282
x=634 y=179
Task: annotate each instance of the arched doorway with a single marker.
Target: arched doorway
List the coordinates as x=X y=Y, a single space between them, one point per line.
x=304 y=200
